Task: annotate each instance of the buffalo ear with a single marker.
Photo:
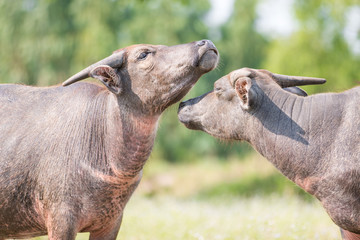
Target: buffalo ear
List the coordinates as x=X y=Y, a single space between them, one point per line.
x=242 y=88
x=108 y=76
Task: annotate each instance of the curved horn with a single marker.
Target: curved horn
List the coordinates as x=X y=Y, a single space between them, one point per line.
x=292 y=81
x=114 y=60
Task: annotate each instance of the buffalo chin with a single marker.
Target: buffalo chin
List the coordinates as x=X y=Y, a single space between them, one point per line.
x=209 y=60
x=191 y=124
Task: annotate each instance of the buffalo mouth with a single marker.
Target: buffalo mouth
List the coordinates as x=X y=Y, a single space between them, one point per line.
x=214 y=50
x=188 y=121
x=208 y=60
x=187 y=115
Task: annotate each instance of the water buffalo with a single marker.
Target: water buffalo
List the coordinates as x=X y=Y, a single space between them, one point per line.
x=314 y=140
x=70 y=157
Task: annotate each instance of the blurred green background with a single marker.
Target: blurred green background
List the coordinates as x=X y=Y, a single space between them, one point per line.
x=43 y=42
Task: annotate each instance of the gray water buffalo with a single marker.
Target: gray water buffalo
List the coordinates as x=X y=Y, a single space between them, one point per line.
x=314 y=140
x=70 y=157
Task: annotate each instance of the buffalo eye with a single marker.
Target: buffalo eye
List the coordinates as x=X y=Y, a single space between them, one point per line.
x=143 y=55
x=218 y=91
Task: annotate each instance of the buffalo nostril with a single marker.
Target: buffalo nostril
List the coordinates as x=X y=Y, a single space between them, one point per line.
x=182 y=104
x=201 y=43
x=211 y=44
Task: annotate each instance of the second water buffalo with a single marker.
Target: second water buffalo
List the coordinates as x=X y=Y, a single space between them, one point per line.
x=314 y=140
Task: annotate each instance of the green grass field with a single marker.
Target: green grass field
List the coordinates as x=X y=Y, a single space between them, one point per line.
x=217 y=200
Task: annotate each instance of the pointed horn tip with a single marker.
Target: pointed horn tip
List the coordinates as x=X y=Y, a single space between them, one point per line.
x=316 y=80
x=68 y=82
x=77 y=77
x=322 y=80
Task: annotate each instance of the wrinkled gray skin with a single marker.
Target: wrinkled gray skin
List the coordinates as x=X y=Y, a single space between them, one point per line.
x=314 y=140
x=70 y=157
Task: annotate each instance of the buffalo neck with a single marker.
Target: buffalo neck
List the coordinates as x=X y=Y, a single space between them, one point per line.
x=286 y=129
x=130 y=137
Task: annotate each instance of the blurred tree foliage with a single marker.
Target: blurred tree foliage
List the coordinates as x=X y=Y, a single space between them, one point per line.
x=42 y=42
x=318 y=47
